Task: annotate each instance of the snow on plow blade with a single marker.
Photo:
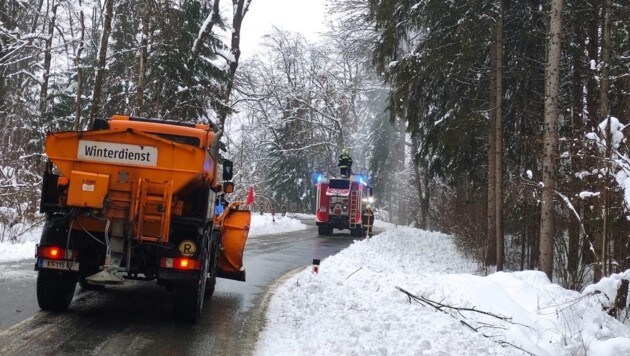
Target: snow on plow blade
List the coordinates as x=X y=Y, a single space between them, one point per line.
x=234 y=224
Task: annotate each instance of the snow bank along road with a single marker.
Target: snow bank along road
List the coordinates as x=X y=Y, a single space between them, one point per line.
x=411 y=292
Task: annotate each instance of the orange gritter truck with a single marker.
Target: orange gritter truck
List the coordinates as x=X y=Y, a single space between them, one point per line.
x=133 y=199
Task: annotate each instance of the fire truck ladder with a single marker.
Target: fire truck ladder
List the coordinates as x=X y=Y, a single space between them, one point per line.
x=152 y=210
x=354 y=207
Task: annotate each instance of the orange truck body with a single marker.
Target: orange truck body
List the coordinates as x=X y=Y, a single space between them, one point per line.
x=134 y=198
x=110 y=153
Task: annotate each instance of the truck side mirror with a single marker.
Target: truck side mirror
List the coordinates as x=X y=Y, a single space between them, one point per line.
x=228 y=187
x=227 y=170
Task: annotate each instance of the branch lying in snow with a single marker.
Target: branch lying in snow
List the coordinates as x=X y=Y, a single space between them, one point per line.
x=560 y=307
x=354 y=272
x=441 y=307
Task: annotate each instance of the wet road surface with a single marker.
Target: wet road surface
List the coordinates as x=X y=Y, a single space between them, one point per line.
x=137 y=318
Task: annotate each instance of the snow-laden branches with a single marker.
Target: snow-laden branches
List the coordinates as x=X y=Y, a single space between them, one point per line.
x=303 y=103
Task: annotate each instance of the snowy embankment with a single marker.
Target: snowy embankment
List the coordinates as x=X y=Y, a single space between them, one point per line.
x=354 y=306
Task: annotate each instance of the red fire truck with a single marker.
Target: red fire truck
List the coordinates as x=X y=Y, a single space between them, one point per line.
x=341 y=204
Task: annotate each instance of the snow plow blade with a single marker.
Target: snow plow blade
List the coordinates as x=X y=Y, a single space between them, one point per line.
x=234 y=225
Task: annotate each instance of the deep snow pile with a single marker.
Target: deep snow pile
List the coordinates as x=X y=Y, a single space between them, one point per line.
x=352 y=306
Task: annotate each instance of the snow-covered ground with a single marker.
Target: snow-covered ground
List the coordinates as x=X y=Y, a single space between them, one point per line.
x=265 y=224
x=358 y=305
x=358 y=302
x=22 y=250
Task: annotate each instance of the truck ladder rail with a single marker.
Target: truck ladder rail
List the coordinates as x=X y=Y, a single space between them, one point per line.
x=354 y=206
x=152 y=210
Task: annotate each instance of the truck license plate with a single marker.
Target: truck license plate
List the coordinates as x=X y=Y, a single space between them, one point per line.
x=60 y=265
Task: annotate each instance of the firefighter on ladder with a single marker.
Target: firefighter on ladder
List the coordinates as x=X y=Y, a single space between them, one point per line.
x=369 y=220
x=345 y=163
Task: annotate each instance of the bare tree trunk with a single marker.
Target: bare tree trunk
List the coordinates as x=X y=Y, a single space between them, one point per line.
x=604 y=111
x=36 y=17
x=424 y=203
x=592 y=124
x=43 y=95
x=605 y=63
x=523 y=245
x=592 y=50
x=402 y=203
x=205 y=30
x=577 y=134
x=144 y=54
x=79 y=102
x=102 y=57
x=550 y=139
x=417 y=176
x=491 y=236
x=499 y=140
x=421 y=173
x=533 y=230
x=241 y=8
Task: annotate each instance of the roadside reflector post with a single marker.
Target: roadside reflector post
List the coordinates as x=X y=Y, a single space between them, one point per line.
x=315 y=266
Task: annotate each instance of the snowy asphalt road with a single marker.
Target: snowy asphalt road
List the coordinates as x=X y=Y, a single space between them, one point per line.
x=137 y=319
x=17 y=294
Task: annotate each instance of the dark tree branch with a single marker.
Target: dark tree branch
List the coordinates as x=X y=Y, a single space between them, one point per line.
x=442 y=308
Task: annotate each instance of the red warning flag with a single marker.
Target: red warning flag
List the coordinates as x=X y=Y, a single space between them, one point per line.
x=250 y=196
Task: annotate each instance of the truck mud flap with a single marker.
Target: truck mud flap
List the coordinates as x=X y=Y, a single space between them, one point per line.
x=234 y=224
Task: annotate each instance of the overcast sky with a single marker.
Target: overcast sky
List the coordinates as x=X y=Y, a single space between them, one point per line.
x=304 y=16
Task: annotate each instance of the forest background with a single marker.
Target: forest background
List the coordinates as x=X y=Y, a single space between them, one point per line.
x=444 y=105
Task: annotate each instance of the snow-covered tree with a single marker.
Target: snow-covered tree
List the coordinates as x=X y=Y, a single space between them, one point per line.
x=307 y=102
x=60 y=68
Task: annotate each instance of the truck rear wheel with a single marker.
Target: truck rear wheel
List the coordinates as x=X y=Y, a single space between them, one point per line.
x=55 y=289
x=211 y=280
x=189 y=297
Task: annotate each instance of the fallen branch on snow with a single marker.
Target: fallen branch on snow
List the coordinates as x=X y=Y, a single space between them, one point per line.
x=354 y=272
x=442 y=308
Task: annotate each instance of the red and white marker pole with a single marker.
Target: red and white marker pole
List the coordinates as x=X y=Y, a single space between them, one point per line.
x=315 y=266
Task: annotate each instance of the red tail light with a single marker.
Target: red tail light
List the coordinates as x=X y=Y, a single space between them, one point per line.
x=181 y=263
x=55 y=253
